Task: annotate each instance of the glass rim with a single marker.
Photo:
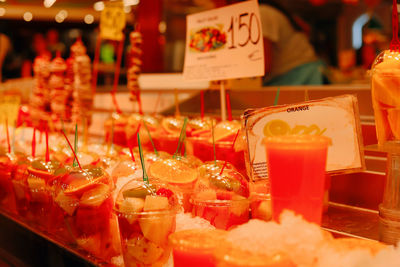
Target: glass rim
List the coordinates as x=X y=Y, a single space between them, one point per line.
x=297 y=140
x=172 y=211
x=217 y=202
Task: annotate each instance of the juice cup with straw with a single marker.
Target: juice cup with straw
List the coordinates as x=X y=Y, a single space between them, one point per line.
x=84 y=197
x=146 y=216
x=296 y=169
x=385 y=96
x=220 y=196
x=167 y=138
x=195 y=247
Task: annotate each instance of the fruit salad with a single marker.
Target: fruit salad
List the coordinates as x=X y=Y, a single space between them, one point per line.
x=146 y=217
x=179 y=176
x=39 y=186
x=7 y=166
x=84 y=197
x=385 y=96
x=201 y=144
x=221 y=198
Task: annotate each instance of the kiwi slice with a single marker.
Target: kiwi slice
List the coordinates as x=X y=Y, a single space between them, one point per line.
x=139 y=192
x=226 y=183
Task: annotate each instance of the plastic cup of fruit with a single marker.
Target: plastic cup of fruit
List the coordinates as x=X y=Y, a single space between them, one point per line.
x=7 y=168
x=222 y=199
x=195 y=247
x=120 y=124
x=40 y=176
x=179 y=176
x=20 y=185
x=385 y=96
x=136 y=120
x=84 y=196
x=229 y=255
x=167 y=138
x=146 y=217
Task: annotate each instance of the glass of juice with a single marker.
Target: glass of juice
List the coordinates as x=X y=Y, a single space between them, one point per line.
x=385 y=91
x=167 y=137
x=296 y=169
x=222 y=199
x=146 y=217
x=195 y=247
x=84 y=197
x=231 y=255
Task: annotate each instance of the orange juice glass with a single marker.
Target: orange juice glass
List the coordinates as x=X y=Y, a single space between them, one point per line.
x=296 y=169
x=195 y=247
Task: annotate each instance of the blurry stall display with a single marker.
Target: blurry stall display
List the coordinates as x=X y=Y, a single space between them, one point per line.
x=58 y=91
x=82 y=90
x=40 y=100
x=134 y=65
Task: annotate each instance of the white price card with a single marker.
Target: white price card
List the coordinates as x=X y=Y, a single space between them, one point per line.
x=112 y=21
x=224 y=43
x=334 y=117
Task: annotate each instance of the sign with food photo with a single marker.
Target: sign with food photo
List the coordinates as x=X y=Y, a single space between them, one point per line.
x=224 y=43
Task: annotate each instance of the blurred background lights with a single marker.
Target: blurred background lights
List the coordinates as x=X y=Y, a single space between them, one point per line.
x=59 y=18
x=131 y=2
x=98 y=6
x=63 y=13
x=127 y=9
x=28 y=16
x=48 y=3
x=88 y=19
x=2 y=11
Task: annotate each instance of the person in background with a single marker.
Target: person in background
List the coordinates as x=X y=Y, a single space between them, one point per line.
x=289 y=57
x=53 y=43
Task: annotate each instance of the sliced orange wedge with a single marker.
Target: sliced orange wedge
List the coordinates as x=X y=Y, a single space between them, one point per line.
x=225 y=131
x=172 y=125
x=173 y=171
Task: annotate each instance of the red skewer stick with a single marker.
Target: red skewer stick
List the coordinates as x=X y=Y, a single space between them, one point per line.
x=96 y=63
x=8 y=137
x=202 y=104
x=47 y=145
x=233 y=145
x=116 y=74
x=72 y=149
x=34 y=143
x=228 y=106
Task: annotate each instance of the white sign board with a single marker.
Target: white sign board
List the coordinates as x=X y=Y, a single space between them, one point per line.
x=334 y=117
x=224 y=43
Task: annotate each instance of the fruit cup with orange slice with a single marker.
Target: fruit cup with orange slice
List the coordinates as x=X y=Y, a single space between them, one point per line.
x=146 y=217
x=7 y=166
x=134 y=122
x=39 y=179
x=224 y=135
x=220 y=196
x=84 y=196
x=178 y=175
x=120 y=122
x=167 y=137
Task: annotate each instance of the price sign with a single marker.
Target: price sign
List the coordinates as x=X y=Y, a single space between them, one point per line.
x=112 y=21
x=9 y=107
x=224 y=43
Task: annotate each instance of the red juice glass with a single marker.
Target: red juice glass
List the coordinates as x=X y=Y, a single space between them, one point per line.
x=85 y=198
x=195 y=247
x=296 y=169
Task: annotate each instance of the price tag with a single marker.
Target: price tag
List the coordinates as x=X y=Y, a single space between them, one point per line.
x=9 y=107
x=112 y=21
x=224 y=43
x=334 y=117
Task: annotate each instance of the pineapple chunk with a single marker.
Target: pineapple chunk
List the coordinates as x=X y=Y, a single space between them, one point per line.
x=157 y=228
x=131 y=205
x=67 y=203
x=155 y=203
x=143 y=250
x=91 y=244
